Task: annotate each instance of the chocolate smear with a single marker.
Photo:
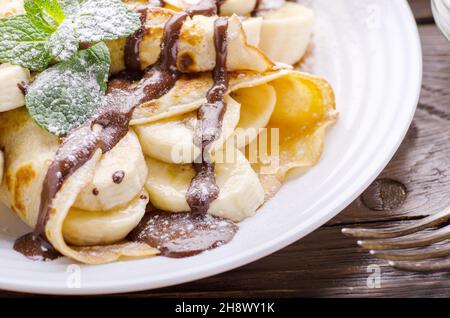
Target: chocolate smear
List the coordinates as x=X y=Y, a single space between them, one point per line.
x=180 y=235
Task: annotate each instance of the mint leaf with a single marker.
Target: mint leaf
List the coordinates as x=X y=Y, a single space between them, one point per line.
x=98 y=56
x=70 y=7
x=52 y=29
x=100 y=20
x=22 y=43
x=66 y=95
x=63 y=43
x=45 y=14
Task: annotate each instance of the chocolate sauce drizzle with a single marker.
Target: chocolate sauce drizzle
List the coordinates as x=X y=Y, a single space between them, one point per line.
x=203 y=189
x=133 y=43
x=256 y=9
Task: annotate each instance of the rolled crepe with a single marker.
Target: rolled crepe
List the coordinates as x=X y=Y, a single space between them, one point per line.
x=85 y=225
x=196 y=51
x=298 y=106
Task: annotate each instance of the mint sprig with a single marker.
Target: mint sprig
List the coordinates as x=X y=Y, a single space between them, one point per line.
x=66 y=95
x=53 y=29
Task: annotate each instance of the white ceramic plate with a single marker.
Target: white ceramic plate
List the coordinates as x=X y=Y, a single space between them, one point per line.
x=370 y=51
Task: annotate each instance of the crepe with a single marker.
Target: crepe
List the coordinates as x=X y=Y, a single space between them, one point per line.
x=298 y=106
x=196 y=44
x=260 y=99
x=95 y=236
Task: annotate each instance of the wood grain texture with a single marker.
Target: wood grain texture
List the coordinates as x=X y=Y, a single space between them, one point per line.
x=422 y=10
x=328 y=264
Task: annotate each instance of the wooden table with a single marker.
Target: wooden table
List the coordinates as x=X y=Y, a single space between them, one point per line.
x=327 y=264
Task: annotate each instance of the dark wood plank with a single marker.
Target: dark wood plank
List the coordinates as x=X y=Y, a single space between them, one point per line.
x=422 y=10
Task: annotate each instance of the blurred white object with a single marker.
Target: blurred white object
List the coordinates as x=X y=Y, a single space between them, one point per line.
x=441 y=12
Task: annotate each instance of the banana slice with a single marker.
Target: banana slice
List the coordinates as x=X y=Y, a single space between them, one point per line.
x=11 y=7
x=86 y=228
x=286 y=32
x=239 y=7
x=119 y=177
x=252 y=28
x=172 y=140
x=257 y=106
x=241 y=193
x=11 y=96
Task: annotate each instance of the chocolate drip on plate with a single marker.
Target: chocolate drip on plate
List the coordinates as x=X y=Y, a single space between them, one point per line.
x=179 y=235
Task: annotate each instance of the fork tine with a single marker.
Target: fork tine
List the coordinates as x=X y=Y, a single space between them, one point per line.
x=422 y=224
x=424 y=266
x=413 y=255
x=416 y=240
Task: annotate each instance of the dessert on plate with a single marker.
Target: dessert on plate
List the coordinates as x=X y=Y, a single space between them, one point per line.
x=139 y=128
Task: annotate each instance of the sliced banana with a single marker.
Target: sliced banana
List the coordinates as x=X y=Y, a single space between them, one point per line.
x=257 y=106
x=252 y=28
x=239 y=7
x=286 y=32
x=11 y=7
x=119 y=177
x=241 y=192
x=11 y=96
x=86 y=228
x=172 y=140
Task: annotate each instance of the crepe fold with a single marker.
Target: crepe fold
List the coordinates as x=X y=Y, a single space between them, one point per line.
x=280 y=116
x=196 y=52
x=91 y=215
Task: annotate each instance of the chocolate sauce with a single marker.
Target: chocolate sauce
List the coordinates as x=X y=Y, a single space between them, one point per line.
x=118 y=176
x=36 y=248
x=133 y=43
x=104 y=130
x=203 y=189
x=23 y=87
x=179 y=235
x=256 y=8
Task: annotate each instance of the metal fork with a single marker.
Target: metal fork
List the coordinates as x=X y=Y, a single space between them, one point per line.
x=407 y=247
